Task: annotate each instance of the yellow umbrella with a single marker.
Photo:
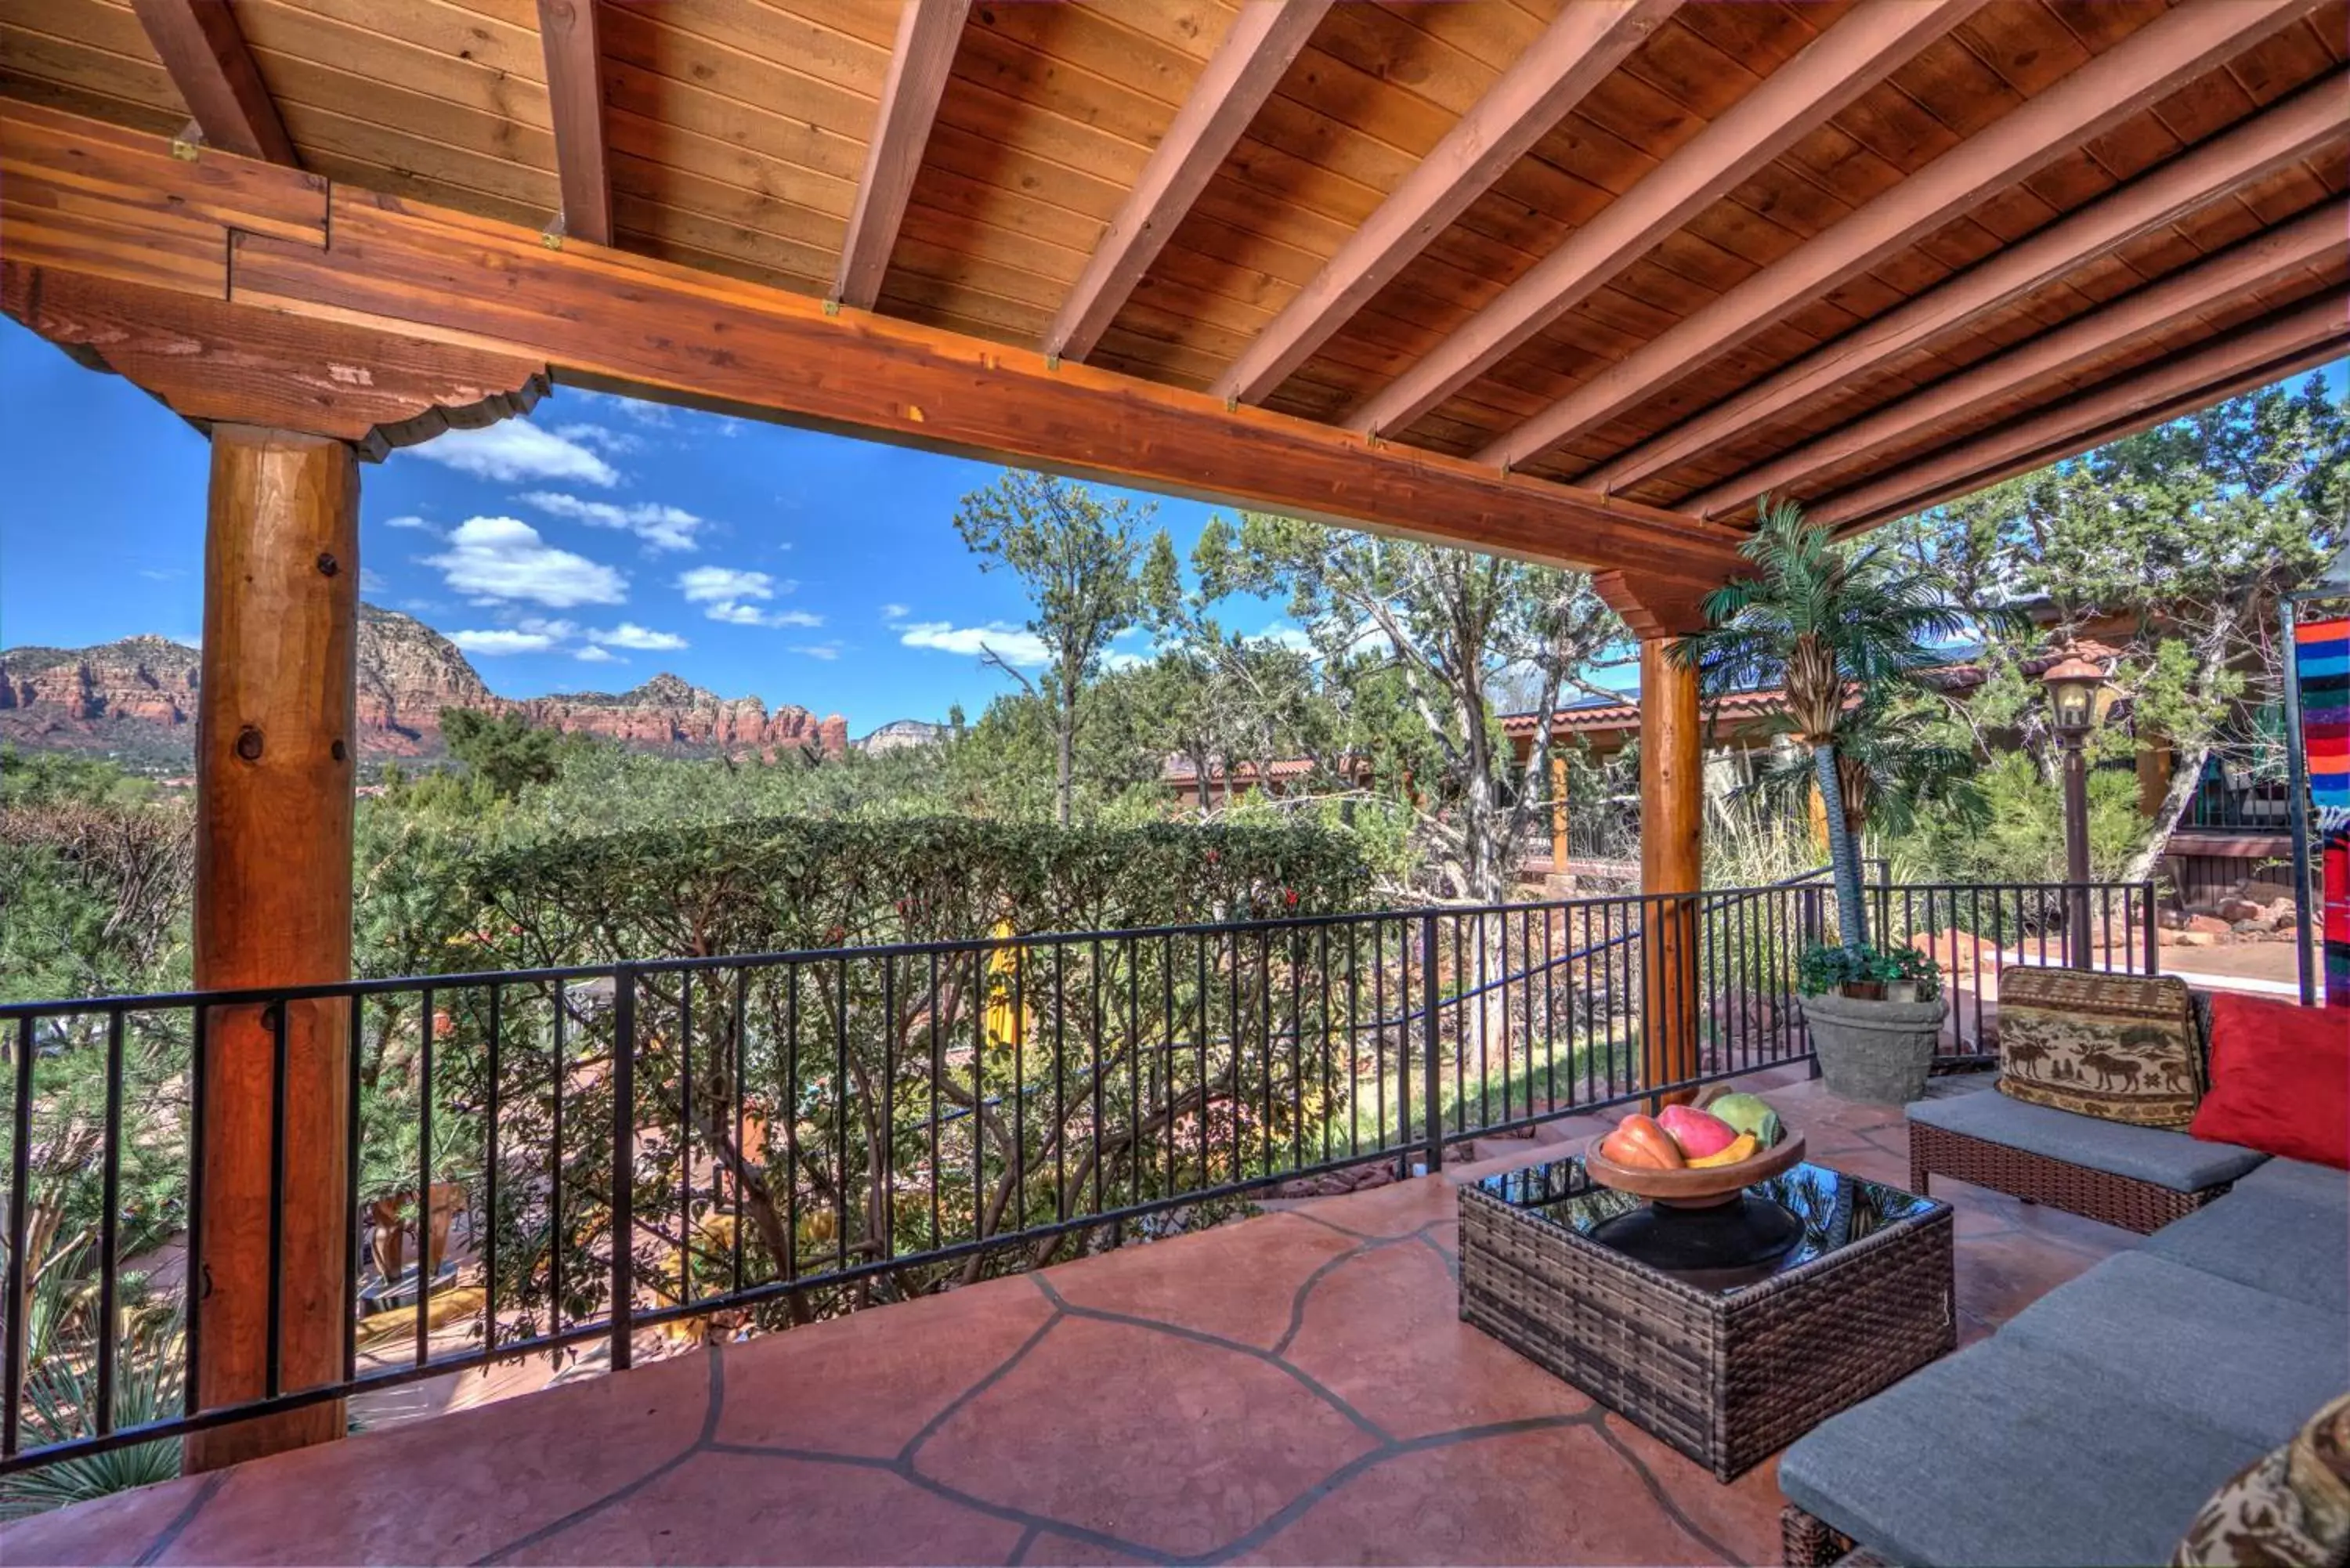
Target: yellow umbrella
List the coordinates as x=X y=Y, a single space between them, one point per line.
x=1007 y=1025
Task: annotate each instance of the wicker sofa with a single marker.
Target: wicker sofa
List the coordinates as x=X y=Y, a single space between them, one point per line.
x=2092 y=1426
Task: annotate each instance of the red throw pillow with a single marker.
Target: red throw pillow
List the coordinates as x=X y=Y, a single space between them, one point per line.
x=2280 y=1079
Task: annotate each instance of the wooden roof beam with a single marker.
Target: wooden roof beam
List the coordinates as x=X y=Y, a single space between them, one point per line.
x=2284 y=343
x=2285 y=133
x=2143 y=68
x=209 y=63
x=1579 y=51
x=575 y=95
x=928 y=32
x=1257 y=50
x=1855 y=54
x=2315 y=238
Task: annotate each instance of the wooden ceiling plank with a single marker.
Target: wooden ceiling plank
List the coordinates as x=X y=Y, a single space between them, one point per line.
x=928 y=32
x=2148 y=65
x=2297 y=338
x=2314 y=236
x=1836 y=69
x=1264 y=38
x=575 y=97
x=2292 y=131
x=1578 y=52
x=200 y=46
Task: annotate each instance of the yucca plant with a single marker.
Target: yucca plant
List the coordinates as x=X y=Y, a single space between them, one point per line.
x=62 y=1393
x=1836 y=628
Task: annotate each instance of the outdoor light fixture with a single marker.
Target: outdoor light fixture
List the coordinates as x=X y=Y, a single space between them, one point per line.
x=2072 y=684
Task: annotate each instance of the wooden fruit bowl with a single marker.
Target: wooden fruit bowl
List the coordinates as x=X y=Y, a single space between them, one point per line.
x=1700 y=1188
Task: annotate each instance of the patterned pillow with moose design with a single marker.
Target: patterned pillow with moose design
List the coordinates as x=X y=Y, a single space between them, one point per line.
x=2123 y=1047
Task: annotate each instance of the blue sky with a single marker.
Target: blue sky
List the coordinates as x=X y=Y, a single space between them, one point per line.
x=588 y=548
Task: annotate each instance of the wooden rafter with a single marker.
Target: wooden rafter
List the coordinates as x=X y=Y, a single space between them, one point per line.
x=928 y=32
x=208 y=61
x=2315 y=238
x=2151 y=63
x=629 y=323
x=1836 y=67
x=570 y=40
x=1576 y=53
x=1265 y=37
x=2305 y=123
x=2282 y=343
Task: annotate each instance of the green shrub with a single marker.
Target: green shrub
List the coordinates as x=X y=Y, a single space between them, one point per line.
x=1827 y=967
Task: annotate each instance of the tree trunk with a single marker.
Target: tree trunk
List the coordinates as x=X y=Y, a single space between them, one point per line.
x=1064 y=760
x=1851 y=911
x=2186 y=778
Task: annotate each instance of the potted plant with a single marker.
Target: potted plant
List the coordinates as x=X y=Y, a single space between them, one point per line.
x=1875 y=1015
x=1839 y=629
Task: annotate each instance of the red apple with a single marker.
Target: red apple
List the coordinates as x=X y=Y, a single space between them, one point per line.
x=1699 y=1133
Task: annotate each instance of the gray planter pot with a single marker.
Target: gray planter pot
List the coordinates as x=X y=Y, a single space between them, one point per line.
x=1874 y=1051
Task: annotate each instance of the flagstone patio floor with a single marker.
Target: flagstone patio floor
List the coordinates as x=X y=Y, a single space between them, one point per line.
x=1296 y=1387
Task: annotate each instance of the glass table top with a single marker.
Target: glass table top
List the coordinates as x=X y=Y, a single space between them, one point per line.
x=1823 y=1212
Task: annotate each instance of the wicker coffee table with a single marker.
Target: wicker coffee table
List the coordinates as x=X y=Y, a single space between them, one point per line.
x=1728 y=1368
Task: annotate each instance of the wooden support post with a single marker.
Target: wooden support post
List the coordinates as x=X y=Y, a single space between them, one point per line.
x=1558 y=846
x=1672 y=804
x=2154 y=764
x=274 y=775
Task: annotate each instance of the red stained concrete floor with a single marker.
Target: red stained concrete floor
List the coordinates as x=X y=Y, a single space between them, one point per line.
x=1295 y=1389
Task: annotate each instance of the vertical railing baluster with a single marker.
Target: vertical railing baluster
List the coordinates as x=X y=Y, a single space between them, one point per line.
x=938 y=1084
x=273 y=1333
x=554 y=1186
x=1060 y=1083
x=424 y=1189
x=489 y=1169
x=1433 y=1108
x=20 y=1146
x=840 y=1112
x=192 y=1289
x=352 y=1166
x=624 y=1166
x=684 y=1136
x=742 y=1067
x=109 y=1223
x=885 y=1160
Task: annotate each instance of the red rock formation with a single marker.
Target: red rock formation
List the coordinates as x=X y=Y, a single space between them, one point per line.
x=137 y=698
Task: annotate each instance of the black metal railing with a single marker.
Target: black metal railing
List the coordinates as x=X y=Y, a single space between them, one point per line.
x=575 y=1156
x=2228 y=801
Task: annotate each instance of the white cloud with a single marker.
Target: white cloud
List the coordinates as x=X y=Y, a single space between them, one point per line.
x=498 y=642
x=1009 y=643
x=612 y=443
x=160 y=573
x=726 y=592
x=827 y=651
x=493 y=559
x=591 y=654
x=515 y=450
x=409 y=520
x=371 y=581
x=895 y=612
x=628 y=634
x=664 y=527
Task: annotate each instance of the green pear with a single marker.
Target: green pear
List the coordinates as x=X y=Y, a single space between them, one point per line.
x=1749 y=1113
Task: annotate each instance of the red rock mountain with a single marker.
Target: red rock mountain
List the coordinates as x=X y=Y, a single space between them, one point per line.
x=137 y=699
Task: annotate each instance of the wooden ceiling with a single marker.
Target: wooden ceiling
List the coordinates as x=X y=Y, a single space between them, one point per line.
x=1925 y=230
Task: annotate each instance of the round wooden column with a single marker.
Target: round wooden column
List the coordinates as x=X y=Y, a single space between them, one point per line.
x=1672 y=812
x=275 y=776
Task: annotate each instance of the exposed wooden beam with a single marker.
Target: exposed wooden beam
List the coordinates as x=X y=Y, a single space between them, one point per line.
x=1855 y=54
x=2283 y=344
x=569 y=35
x=2143 y=68
x=630 y=323
x=2305 y=123
x=928 y=32
x=2315 y=238
x=1265 y=37
x=1581 y=47
x=209 y=63
x=214 y=363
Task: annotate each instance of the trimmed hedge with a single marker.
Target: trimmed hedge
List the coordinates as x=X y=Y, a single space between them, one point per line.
x=783 y=884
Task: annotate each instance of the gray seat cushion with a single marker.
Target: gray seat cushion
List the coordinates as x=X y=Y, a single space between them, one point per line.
x=2164 y=1158
x=2298 y=1179
x=2240 y=1359
x=2010 y=1453
x=2266 y=1235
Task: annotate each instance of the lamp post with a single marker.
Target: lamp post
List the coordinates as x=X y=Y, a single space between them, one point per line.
x=2071 y=685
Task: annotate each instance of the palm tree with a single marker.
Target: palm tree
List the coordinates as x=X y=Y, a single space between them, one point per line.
x=1835 y=629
